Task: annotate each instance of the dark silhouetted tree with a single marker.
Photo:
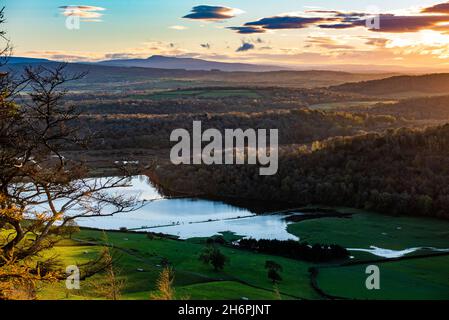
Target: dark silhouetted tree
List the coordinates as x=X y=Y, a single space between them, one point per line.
x=273 y=271
x=212 y=255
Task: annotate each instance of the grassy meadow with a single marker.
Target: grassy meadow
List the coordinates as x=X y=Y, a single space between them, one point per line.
x=414 y=279
x=139 y=259
x=363 y=230
x=207 y=93
x=243 y=277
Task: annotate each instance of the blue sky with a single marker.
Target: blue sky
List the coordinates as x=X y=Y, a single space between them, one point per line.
x=141 y=28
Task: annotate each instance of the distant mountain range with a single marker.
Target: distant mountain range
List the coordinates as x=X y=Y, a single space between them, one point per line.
x=205 y=72
x=163 y=62
x=192 y=64
x=105 y=73
x=22 y=60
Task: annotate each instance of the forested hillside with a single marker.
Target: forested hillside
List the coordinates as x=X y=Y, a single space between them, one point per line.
x=404 y=172
x=295 y=126
x=427 y=108
x=430 y=84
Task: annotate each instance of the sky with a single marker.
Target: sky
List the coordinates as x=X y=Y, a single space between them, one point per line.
x=403 y=33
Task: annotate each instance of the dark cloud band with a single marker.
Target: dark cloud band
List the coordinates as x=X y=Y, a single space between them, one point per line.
x=439 y=8
x=247 y=30
x=285 y=22
x=431 y=18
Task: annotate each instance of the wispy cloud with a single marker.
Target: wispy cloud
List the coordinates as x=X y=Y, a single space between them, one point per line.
x=87 y=13
x=179 y=28
x=377 y=42
x=327 y=43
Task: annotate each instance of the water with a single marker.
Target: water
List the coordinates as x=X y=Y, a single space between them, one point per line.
x=257 y=227
x=189 y=218
x=387 y=253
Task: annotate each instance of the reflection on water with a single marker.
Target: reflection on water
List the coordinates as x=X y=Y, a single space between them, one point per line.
x=188 y=218
x=167 y=212
x=258 y=227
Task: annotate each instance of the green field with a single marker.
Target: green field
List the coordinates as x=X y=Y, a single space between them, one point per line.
x=421 y=278
x=424 y=278
x=207 y=93
x=363 y=230
x=243 y=276
x=140 y=258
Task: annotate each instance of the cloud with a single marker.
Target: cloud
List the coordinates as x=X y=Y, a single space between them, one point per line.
x=205 y=12
x=178 y=28
x=278 y=22
x=416 y=54
x=62 y=55
x=342 y=16
x=144 y=50
x=391 y=23
x=431 y=18
x=247 y=30
x=86 y=13
x=336 y=26
x=246 y=46
x=285 y=22
x=327 y=43
x=118 y=56
x=377 y=42
x=439 y=8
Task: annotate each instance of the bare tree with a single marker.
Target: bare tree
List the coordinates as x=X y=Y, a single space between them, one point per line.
x=41 y=190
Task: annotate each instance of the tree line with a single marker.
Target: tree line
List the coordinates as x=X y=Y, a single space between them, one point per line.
x=403 y=172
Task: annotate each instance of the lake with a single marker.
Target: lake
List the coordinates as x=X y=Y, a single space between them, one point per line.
x=189 y=217
x=193 y=217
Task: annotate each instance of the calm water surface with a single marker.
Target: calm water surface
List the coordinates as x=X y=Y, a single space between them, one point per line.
x=189 y=218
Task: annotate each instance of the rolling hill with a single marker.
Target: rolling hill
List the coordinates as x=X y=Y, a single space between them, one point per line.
x=400 y=86
x=423 y=108
x=113 y=76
